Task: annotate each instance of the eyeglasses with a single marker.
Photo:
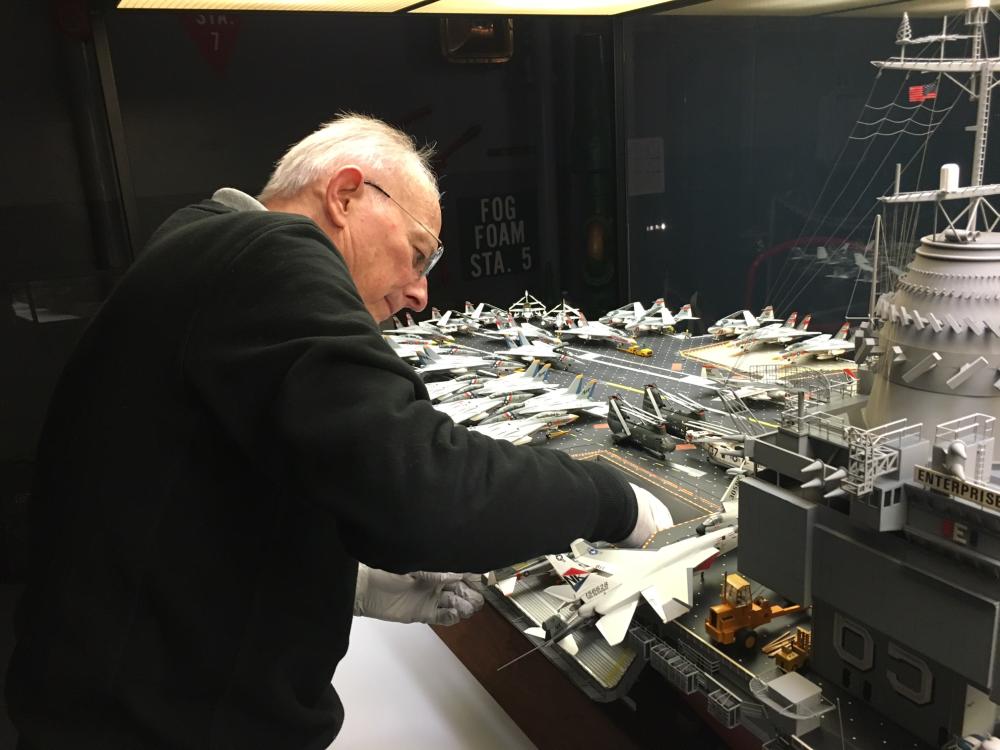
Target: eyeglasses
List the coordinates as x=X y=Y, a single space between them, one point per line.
x=422 y=264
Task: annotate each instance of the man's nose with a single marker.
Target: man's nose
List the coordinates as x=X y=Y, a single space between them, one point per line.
x=416 y=294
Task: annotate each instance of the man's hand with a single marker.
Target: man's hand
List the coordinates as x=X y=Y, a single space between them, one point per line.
x=434 y=598
x=653 y=516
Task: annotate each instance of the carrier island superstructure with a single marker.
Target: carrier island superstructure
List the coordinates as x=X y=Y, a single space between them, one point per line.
x=885 y=504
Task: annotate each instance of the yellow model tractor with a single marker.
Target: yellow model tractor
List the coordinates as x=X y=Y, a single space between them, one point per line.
x=637 y=350
x=736 y=618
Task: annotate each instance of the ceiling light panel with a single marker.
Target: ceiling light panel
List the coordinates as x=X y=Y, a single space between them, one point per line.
x=891 y=8
x=343 y=6
x=537 y=7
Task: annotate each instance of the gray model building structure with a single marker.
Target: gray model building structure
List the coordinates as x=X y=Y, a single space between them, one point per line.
x=905 y=622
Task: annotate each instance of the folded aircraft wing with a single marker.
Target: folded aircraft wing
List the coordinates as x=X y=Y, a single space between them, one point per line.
x=673 y=585
x=667 y=610
x=614 y=625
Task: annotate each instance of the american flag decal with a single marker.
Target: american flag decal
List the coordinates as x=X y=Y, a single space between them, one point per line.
x=919 y=94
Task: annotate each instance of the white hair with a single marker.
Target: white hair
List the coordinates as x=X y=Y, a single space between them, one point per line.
x=348 y=139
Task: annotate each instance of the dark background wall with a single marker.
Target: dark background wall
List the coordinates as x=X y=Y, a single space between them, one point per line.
x=196 y=119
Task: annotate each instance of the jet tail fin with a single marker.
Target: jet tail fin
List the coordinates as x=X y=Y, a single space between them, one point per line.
x=581 y=547
x=842 y=334
x=574 y=574
x=804 y=325
x=507 y=585
x=684 y=313
x=428 y=355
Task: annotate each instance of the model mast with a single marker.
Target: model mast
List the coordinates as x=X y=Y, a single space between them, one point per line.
x=980 y=68
x=941 y=324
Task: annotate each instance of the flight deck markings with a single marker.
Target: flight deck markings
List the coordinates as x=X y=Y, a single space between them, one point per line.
x=623 y=387
x=696 y=473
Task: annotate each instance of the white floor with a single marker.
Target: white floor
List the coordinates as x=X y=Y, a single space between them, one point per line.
x=402 y=687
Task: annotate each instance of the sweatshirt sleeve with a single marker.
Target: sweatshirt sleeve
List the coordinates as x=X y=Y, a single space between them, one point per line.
x=286 y=358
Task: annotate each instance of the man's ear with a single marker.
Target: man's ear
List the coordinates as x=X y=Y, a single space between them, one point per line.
x=342 y=189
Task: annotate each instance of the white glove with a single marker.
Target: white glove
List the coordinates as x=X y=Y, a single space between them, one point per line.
x=434 y=598
x=653 y=516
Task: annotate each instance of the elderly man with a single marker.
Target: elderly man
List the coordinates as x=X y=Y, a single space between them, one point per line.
x=232 y=436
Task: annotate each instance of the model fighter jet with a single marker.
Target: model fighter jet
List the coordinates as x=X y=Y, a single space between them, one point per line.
x=433 y=362
x=561 y=316
x=535 y=378
x=525 y=431
x=823 y=346
x=506 y=328
x=445 y=389
x=528 y=307
x=603 y=586
x=575 y=398
x=659 y=319
x=414 y=329
x=777 y=333
x=593 y=331
x=478 y=409
x=620 y=316
x=741 y=322
x=484 y=313
x=524 y=349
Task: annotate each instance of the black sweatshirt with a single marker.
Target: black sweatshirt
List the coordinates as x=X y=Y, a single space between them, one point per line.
x=230 y=437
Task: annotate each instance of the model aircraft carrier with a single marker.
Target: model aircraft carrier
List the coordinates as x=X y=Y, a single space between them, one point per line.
x=734 y=683
x=686 y=481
